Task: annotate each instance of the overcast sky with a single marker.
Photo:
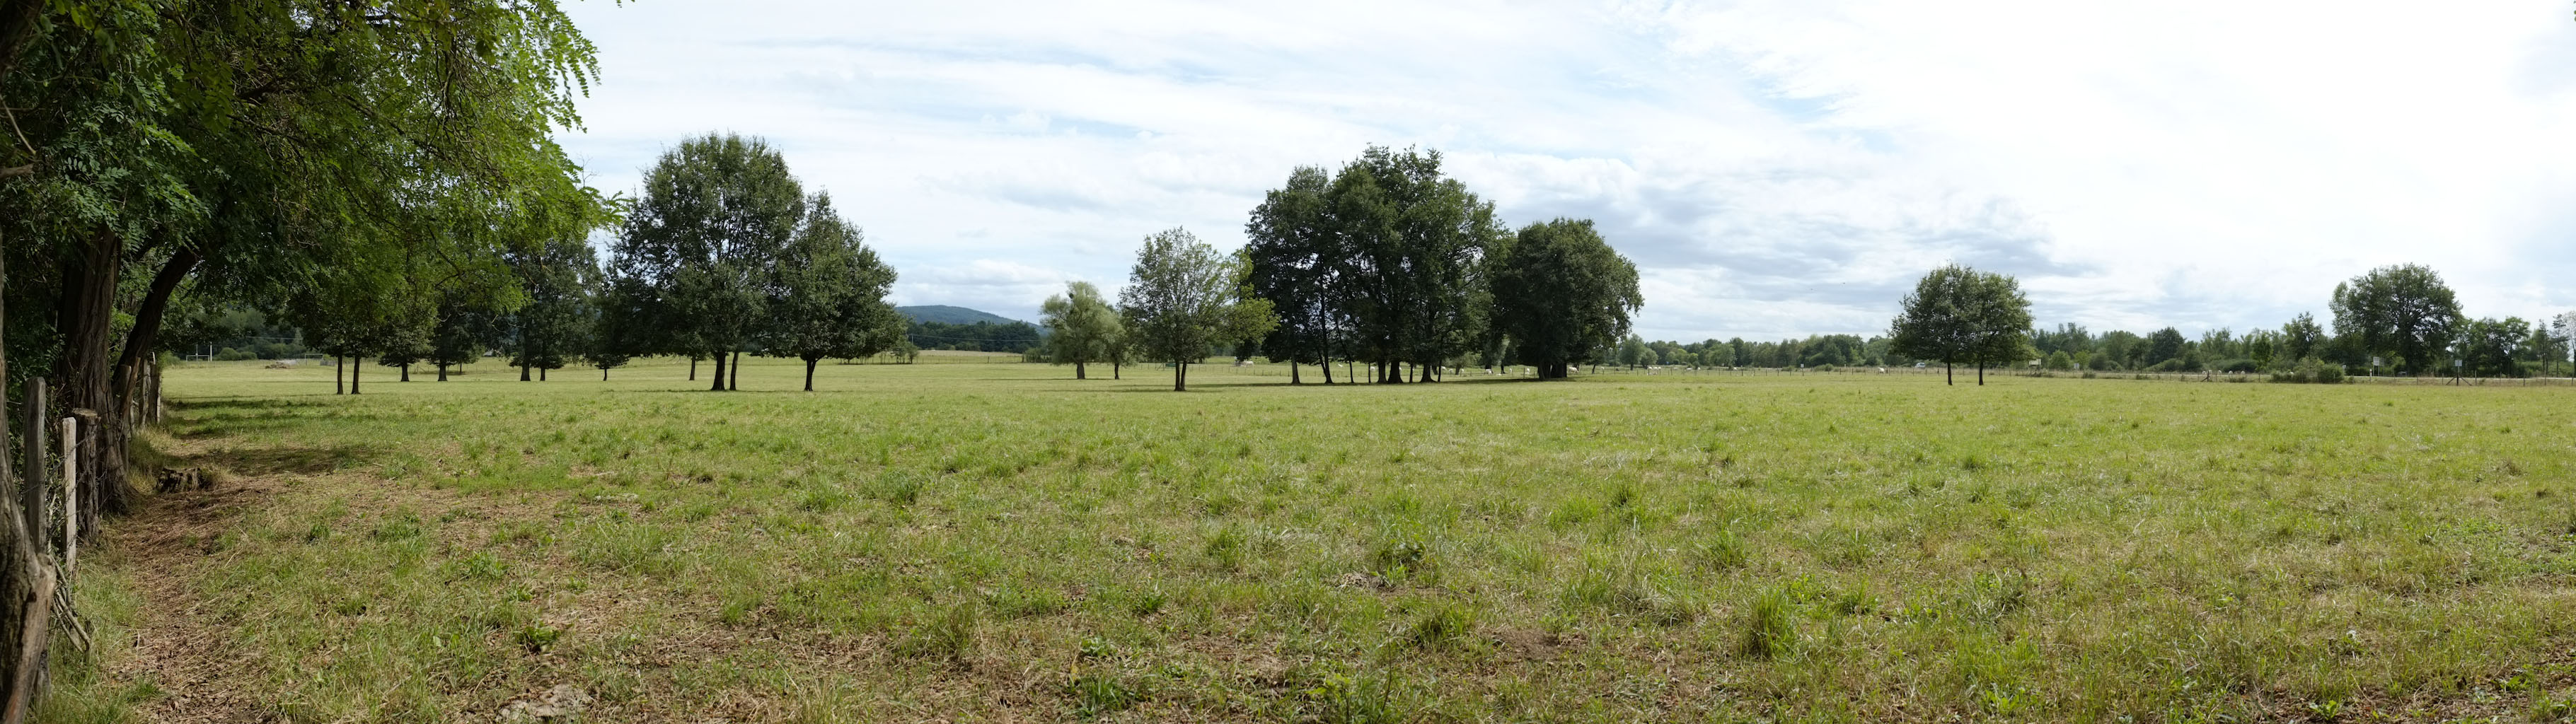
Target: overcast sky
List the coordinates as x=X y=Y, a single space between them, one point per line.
x=1774 y=168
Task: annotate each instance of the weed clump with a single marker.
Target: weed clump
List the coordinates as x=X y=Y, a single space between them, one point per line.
x=1443 y=626
x=950 y=637
x=1768 y=631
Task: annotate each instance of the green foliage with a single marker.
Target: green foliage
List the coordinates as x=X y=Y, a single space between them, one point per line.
x=701 y=243
x=1960 y=315
x=1183 y=298
x=1084 y=326
x=826 y=294
x=1560 y=292
x=2404 y=311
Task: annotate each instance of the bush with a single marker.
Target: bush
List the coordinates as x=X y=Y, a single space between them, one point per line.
x=230 y=354
x=2171 y=365
x=2238 y=365
x=2309 y=370
x=2060 y=361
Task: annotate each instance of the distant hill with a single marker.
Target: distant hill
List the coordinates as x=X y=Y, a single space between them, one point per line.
x=945 y=314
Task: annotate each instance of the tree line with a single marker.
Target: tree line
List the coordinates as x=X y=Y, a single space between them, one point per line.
x=2402 y=319
x=1385 y=262
x=334 y=166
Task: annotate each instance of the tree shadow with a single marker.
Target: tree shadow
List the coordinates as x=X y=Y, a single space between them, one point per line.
x=288 y=459
x=241 y=403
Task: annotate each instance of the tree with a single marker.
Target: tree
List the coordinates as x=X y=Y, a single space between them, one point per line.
x=1559 y=292
x=2492 y=347
x=2404 y=311
x=1958 y=314
x=1082 y=325
x=2545 y=347
x=1633 y=352
x=2164 y=345
x=1183 y=297
x=1297 y=258
x=827 y=294
x=555 y=278
x=465 y=330
x=1384 y=261
x=714 y=215
x=2301 y=338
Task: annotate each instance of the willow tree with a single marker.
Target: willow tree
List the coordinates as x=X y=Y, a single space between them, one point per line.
x=1082 y=327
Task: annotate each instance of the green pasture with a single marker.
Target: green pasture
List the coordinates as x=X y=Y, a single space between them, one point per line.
x=1001 y=542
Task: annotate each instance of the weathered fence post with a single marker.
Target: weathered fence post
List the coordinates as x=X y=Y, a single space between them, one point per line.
x=31 y=497
x=71 y=491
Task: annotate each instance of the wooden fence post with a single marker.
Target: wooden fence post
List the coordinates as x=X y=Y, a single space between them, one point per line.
x=71 y=491
x=31 y=497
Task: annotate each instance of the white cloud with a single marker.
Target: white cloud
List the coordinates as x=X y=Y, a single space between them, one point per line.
x=1776 y=168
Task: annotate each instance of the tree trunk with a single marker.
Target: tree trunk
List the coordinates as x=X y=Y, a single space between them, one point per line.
x=809 y=374
x=143 y=338
x=735 y=382
x=357 y=364
x=406 y=372
x=603 y=374
x=442 y=372
x=1292 y=373
x=88 y=308
x=541 y=374
x=719 y=375
x=693 y=370
x=523 y=373
x=1180 y=376
x=1114 y=372
x=1947 y=377
x=340 y=382
x=1077 y=371
x=1981 y=374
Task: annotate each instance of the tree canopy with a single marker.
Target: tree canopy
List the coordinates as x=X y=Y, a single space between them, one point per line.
x=1183 y=298
x=1958 y=314
x=1559 y=292
x=2403 y=311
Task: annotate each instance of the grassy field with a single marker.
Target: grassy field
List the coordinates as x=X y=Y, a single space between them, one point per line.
x=1003 y=543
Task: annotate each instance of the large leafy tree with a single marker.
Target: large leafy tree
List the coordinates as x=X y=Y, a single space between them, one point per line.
x=555 y=279
x=1958 y=314
x=1083 y=328
x=1384 y=261
x=1296 y=256
x=2403 y=311
x=1559 y=292
x=715 y=214
x=622 y=329
x=2301 y=338
x=827 y=294
x=2492 y=347
x=251 y=150
x=1183 y=297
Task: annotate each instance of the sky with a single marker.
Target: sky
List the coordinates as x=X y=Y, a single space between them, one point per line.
x=1774 y=169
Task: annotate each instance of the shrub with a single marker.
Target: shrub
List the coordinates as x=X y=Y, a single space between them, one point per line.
x=2239 y=365
x=2309 y=370
x=230 y=354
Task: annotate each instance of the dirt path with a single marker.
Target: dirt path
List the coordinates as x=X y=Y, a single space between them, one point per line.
x=162 y=549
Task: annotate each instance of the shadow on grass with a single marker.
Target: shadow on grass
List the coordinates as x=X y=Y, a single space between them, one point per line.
x=289 y=459
x=241 y=403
